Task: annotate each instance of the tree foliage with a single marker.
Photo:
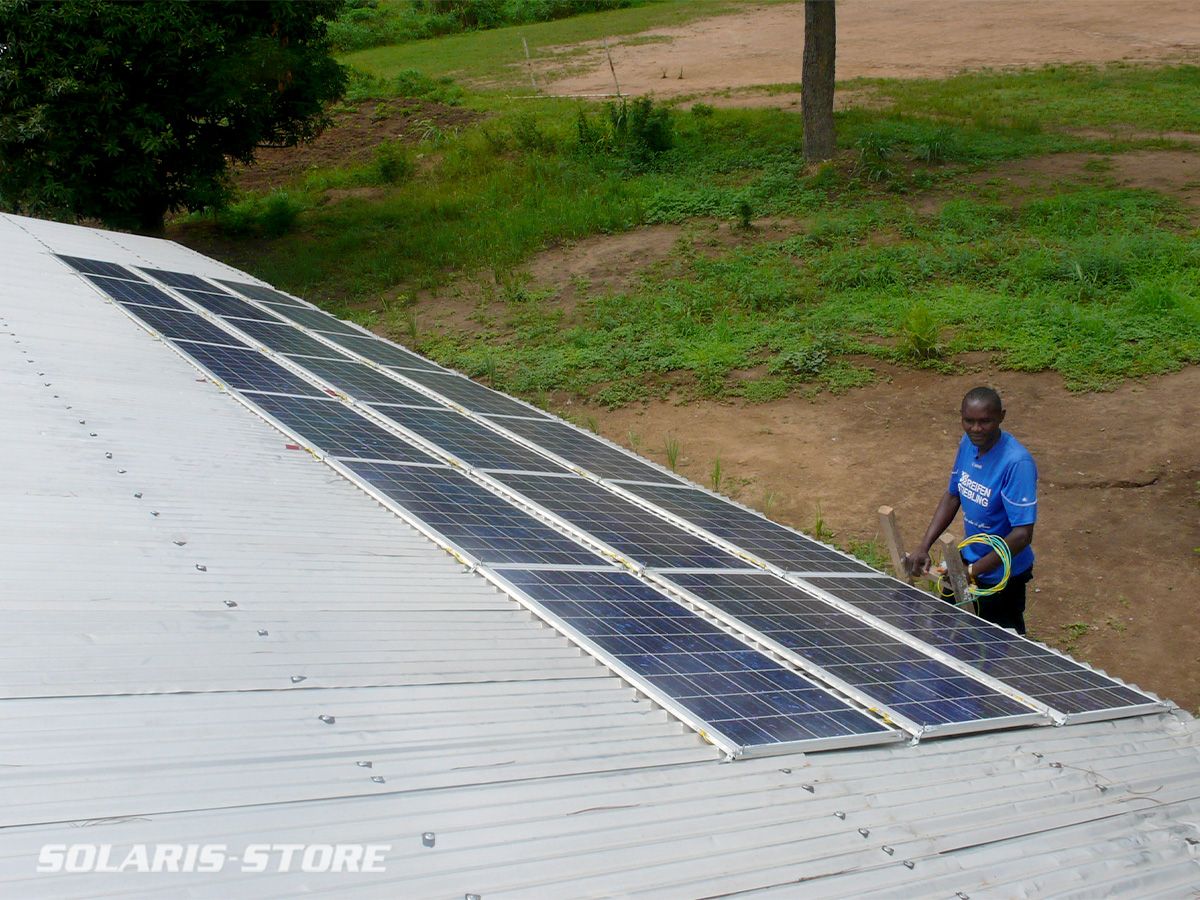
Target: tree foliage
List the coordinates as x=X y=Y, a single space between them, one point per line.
x=123 y=111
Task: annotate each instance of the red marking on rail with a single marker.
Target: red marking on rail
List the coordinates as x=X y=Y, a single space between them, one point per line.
x=291 y=446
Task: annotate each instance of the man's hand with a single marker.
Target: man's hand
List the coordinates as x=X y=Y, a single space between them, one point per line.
x=916 y=563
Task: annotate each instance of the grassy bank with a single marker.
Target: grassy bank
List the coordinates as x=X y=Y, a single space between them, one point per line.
x=902 y=249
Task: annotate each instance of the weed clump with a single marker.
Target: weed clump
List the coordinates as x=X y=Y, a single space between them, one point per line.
x=635 y=129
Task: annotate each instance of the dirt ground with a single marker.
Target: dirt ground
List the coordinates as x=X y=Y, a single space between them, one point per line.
x=883 y=39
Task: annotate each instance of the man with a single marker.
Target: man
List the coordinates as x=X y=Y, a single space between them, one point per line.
x=994 y=481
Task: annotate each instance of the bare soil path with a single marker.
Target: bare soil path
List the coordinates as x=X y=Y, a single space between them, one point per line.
x=886 y=39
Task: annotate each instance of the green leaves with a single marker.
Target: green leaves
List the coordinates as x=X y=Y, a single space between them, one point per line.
x=124 y=111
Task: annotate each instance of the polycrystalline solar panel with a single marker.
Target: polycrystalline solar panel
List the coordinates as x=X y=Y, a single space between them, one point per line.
x=249 y=370
x=284 y=338
x=749 y=698
x=890 y=672
x=383 y=352
x=750 y=531
x=183 y=326
x=336 y=429
x=362 y=382
x=317 y=320
x=637 y=533
x=1055 y=680
x=584 y=450
x=228 y=305
x=471 y=517
x=179 y=279
x=474 y=444
x=258 y=292
x=137 y=292
x=98 y=267
x=470 y=395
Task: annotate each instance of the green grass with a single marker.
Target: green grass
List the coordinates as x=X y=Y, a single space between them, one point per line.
x=1082 y=277
x=496 y=56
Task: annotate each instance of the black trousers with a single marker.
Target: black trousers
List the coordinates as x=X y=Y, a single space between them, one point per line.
x=1007 y=608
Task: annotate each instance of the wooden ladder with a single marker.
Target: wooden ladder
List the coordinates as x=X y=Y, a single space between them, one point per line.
x=952 y=564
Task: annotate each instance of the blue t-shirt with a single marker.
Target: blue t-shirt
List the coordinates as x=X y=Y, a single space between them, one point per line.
x=998 y=492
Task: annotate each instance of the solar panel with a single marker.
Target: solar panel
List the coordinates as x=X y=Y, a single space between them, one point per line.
x=183 y=326
x=228 y=305
x=284 y=338
x=1055 y=680
x=759 y=535
x=475 y=444
x=470 y=517
x=750 y=699
x=137 y=292
x=317 y=320
x=97 y=267
x=585 y=451
x=179 y=279
x=258 y=292
x=472 y=396
x=384 y=352
x=249 y=370
x=635 y=532
x=336 y=429
x=362 y=382
x=889 y=672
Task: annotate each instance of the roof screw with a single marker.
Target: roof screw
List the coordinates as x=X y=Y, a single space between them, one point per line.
x=840 y=815
x=865 y=832
x=46 y=383
x=471 y=897
x=809 y=788
x=1037 y=755
x=378 y=779
x=108 y=454
x=909 y=864
x=232 y=604
x=1103 y=788
x=200 y=567
x=138 y=495
x=1056 y=765
x=364 y=764
x=121 y=471
x=890 y=851
x=262 y=632
x=91 y=434
x=327 y=719
x=296 y=679
x=154 y=512
x=786 y=771
x=178 y=542
x=81 y=421
x=428 y=839
x=962 y=895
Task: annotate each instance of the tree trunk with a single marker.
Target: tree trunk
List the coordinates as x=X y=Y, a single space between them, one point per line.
x=816 y=86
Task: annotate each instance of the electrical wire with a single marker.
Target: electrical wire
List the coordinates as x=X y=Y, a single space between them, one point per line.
x=1001 y=549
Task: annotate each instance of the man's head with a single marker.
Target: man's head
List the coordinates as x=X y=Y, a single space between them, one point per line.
x=982 y=413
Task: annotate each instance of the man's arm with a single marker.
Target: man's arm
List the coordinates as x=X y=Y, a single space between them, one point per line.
x=1018 y=539
x=917 y=563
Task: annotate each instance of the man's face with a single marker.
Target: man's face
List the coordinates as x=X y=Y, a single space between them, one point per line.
x=981 y=421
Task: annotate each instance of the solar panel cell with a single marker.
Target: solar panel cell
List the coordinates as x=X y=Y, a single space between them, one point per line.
x=316 y=320
x=284 y=338
x=1060 y=683
x=98 y=267
x=585 y=451
x=228 y=305
x=336 y=429
x=183 y=326
x=740 y=693
x=136 y=292
x=259 y=292
x=362 y=382
x=248 y=370
x=474 y=444
x=765 y=539
x=927 y=692
x=637 y=533
x=471 y=395
x=179 y=279
x=470 y=517
x=384 y=352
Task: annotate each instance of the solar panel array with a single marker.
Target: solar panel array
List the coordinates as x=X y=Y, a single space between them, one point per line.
x=489 y=478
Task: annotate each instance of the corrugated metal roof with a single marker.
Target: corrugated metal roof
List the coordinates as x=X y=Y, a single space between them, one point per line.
x=149 y=700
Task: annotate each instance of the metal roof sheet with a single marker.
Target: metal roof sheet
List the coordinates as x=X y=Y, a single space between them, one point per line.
x=185 y=598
